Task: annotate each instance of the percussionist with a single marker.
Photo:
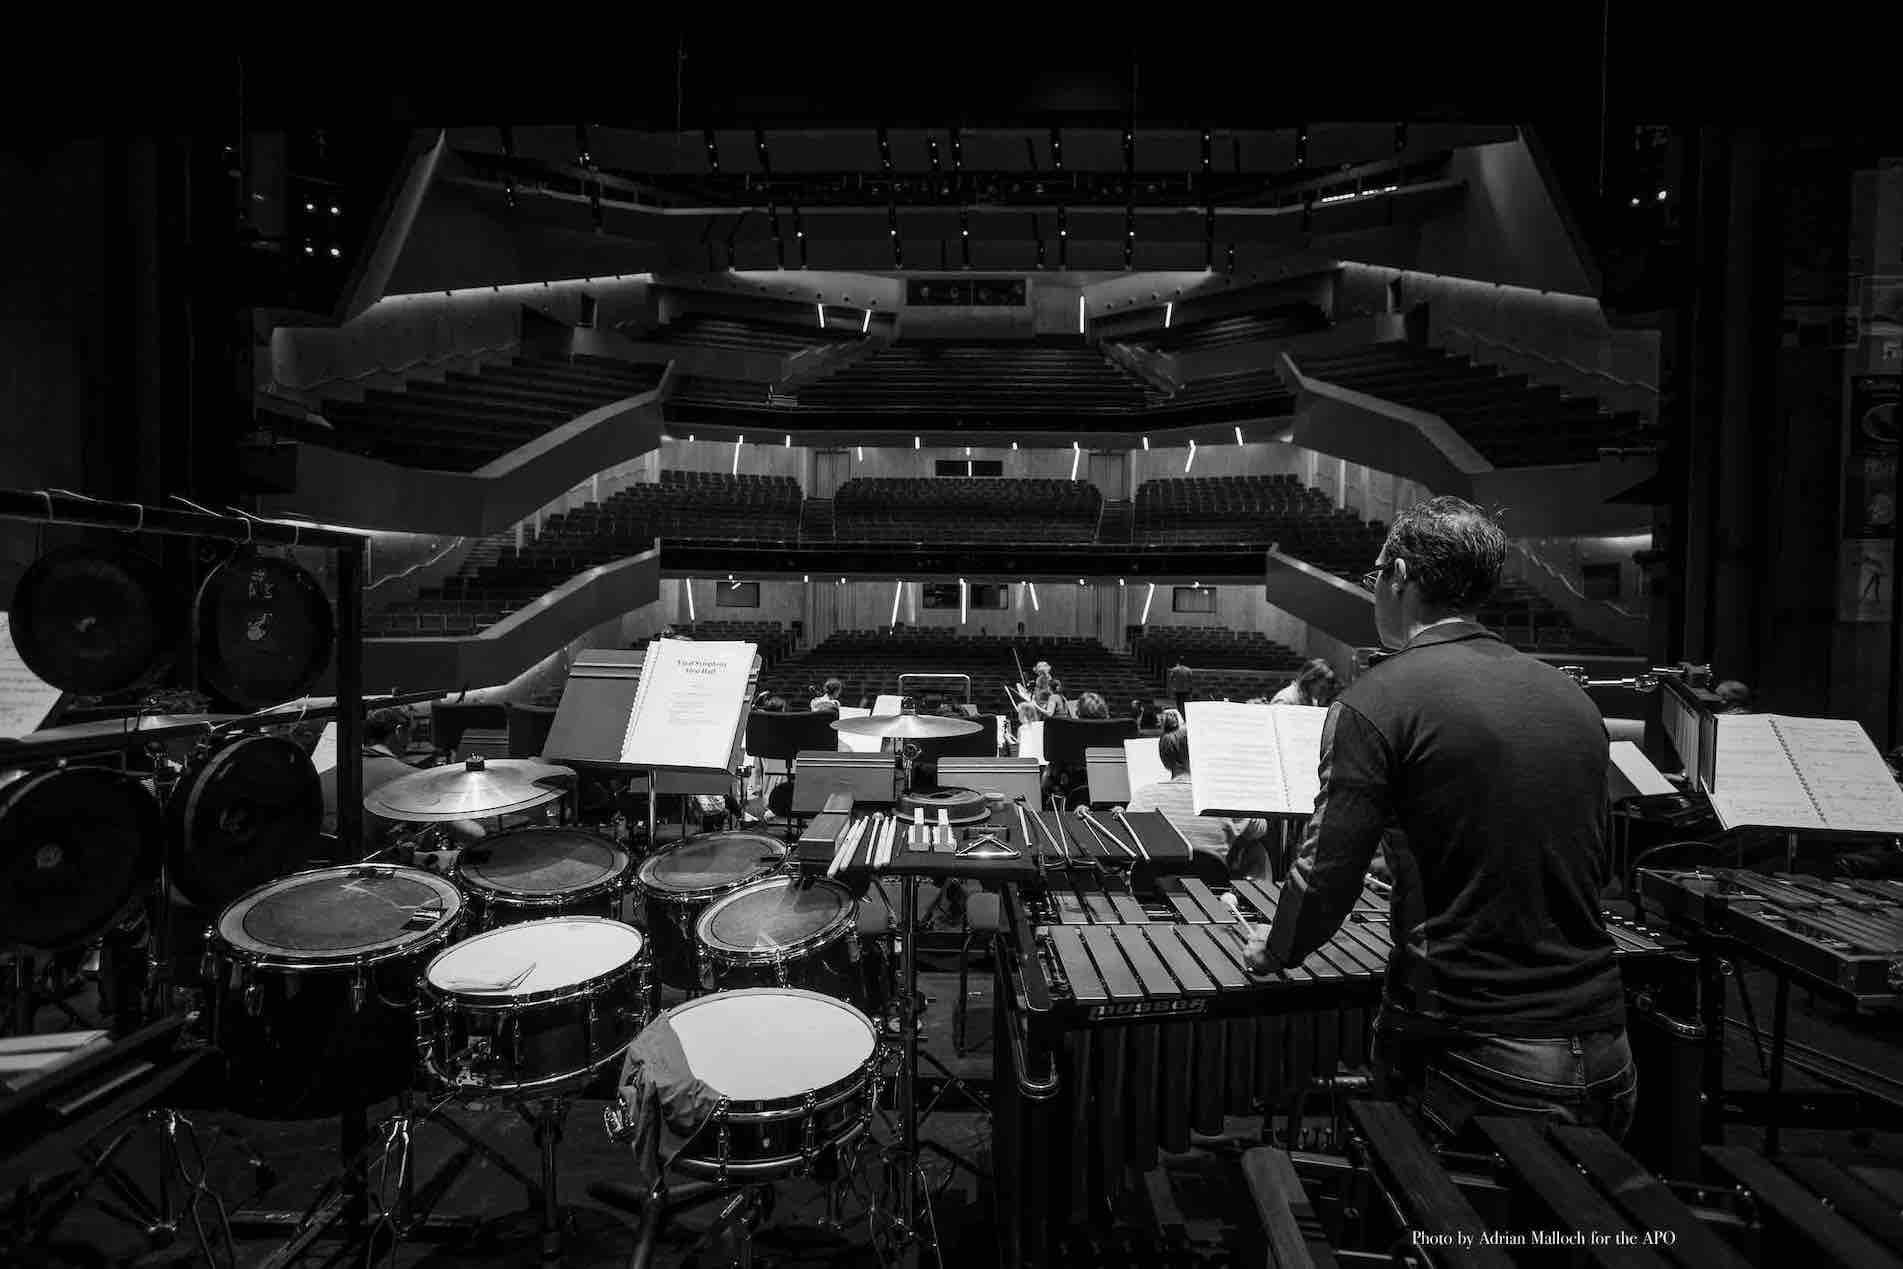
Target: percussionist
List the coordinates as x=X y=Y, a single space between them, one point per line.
x=1502 y=997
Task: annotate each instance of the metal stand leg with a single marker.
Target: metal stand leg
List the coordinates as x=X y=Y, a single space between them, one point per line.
x=353 y=1146
x=548 y=1135
x=908 y=1071
x=1780 y=1026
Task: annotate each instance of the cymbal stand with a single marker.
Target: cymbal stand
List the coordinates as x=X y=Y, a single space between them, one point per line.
x=910 y=1180
x=159 y=1217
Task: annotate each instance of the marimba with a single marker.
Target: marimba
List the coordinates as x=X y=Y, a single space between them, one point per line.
x=1127 y=1023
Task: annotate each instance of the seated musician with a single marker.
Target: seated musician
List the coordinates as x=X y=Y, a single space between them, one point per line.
x=1238 y=843
x=1315 y=685
x=1502 y=995
x=1091 y=706
x=828 y=700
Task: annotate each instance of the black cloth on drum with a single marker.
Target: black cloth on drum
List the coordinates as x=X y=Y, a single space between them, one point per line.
x=667 y=1103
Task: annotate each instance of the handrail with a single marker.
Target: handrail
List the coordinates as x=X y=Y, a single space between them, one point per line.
x=1521 y=350
x=510 y=346
x=435 y=559
x=1541 y=563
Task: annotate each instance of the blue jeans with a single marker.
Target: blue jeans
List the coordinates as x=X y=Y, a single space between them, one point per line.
x=1586 y=1080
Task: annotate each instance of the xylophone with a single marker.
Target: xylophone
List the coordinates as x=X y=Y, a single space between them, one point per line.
x=1842 y=936
x=1128 y=1022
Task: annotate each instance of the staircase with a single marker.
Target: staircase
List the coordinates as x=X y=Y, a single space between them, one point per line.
x=816 y=520
x=1116 y=526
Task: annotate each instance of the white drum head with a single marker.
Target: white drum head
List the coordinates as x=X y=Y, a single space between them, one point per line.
x=535 y=957
x=767 y=1044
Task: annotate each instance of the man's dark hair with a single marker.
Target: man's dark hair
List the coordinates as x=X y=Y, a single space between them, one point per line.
x=1454 y=551
x=384 y=725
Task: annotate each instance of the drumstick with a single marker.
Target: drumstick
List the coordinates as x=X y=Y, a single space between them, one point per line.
x=891 y=841
x=843 y=851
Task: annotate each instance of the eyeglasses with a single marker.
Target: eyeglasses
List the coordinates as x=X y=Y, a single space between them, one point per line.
x=1371 y=579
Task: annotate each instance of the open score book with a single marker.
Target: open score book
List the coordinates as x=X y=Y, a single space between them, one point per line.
x=1254 y=759
x=690 y=707
x=1778 y=772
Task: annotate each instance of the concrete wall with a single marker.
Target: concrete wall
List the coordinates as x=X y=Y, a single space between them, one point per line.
x=1510 y=230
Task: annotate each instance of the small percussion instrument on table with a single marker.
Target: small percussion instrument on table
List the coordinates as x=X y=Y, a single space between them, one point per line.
x=680 y=882
x=534 y=873
x=797 y=1074
x=786 y=932
x=530 y=1007
x=312 y=980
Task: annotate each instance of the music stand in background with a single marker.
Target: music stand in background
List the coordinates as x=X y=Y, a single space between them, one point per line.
x=1066 y=739
x=982 y=743
x=783 y=736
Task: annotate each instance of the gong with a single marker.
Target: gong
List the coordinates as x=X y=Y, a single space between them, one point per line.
x=94 y=621
x=246 y=811
x=77 y=844
x=265 y=630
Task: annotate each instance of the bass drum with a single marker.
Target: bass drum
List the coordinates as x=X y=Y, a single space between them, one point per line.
x=245 y=811
x=313 y=986
x=78 y=847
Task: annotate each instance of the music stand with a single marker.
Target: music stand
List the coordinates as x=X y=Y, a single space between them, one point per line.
x=783 y=736
x=982 y=743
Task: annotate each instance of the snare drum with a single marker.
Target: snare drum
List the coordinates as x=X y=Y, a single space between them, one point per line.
x=680 y=882
x=312 y=981
x=535 y=1004
x=797 y=1073
x=784 y=932
x=534 y=873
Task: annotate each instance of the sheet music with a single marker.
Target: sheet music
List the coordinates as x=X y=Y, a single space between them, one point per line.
x=1849 y=782
x=324 y=753
x=1756 y=784
x=1145 y=767
x=25 y=700
x=1031 y=741
x=1633 y=774
x=886 y=706
x=1235 y=760
x=688 y=707
x=858 y=744
x=1299 y=730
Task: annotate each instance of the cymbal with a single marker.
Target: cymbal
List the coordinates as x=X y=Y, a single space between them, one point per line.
x=906 y=726
x=472 y=790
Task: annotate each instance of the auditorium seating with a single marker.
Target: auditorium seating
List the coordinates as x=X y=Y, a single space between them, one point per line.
x=701 y=507
x=1277 y=323
x=702 y=331
x=869 y=663
x=1239 y=394
x=1511 y=421
x=1529 y=621
x=775 y=641
x=469 y=420
x=978 y=378
x=1235 y=665
x=1251 y=512
x=966 y=509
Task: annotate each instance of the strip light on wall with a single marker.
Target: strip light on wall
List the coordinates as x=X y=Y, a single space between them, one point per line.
x=1076 y=457
x=1031 y=589
x=862 y=453
x=865 y=323
x=964 y=601
x=1169 y=313
x=898 y=592
x=1191 y=460
x=736 y=454
x=690 y=600
x=1080 y=315
x=822 y=315
x=1238 y=433
x=1144 y=620
x=1146 y=444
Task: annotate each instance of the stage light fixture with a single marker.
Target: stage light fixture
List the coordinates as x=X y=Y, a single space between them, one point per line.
x=967 y=451
x=807 y=578
x=1014 y=447
x=1120 y=582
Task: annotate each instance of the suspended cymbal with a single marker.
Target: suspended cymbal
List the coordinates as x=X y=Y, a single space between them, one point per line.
x=906 y=726
x=472 y=790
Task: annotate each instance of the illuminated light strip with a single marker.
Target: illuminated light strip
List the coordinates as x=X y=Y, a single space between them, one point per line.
x=865 y=323
x=822 y=315
x=1146 y=444
x=964 y=601
x=862 y=453
x=1169 y=313
x=736 y=454
x=1080 y=315
x=898 y=591
x=1033 y=589
x=1238 y=433
x=1144 y=620
x=690 y=599
x=1191 y=460
x=1076 y=457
